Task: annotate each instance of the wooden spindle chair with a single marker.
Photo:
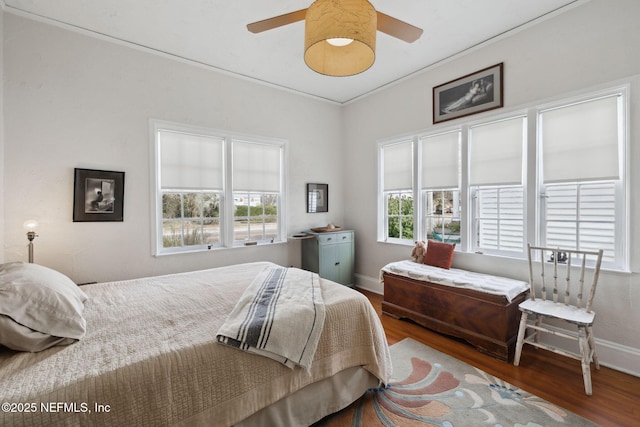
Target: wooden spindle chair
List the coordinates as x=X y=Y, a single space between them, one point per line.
x=567 y=295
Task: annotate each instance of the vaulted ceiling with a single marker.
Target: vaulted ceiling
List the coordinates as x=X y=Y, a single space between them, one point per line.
x=214 y=33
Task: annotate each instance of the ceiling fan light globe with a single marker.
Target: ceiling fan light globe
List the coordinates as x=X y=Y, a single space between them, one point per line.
x=348 y=19
x=339 y=41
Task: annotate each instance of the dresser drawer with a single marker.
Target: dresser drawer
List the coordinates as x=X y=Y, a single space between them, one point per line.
x=325 y=239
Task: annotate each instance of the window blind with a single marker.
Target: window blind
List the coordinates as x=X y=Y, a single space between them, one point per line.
x=580 y=141
x=440 y=161
x=398 y=166
x=189 y=161
x=256 y=167
x=496 y=152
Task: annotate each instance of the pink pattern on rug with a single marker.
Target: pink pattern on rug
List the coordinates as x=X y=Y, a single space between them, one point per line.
x=439 y=390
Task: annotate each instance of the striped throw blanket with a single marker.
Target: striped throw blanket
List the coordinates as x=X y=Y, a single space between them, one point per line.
x=280 y=316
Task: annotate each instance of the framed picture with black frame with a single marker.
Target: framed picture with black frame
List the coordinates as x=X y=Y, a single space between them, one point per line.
x=470 y=94
x=317 y=198
x=98 y=195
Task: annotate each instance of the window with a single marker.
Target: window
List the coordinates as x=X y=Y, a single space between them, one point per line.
x=190 y=184
x=399 y=215
x=214 y=191
x=440 y=186
x=256 y=189
x=190 y=219
x=496 y=181
x=255 y=217
x=582 y=197
x=397 y=191
x=442 y=215
x=553 y=175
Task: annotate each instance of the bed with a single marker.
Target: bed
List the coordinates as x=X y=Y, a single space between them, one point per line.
x=479 y=308
x=150 y=357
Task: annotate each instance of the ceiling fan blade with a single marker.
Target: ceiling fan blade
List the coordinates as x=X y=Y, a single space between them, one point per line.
x=397 y=28
x=277 y=21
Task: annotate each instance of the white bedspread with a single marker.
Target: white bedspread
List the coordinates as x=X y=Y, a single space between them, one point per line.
x=150 y=356
x=280 y=316
x=509 y=288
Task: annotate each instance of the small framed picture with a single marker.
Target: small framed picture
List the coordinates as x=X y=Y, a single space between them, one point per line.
x=98 y=195
x=317 y=198
x=470 y=94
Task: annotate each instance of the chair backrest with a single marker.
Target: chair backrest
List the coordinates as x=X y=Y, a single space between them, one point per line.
x=549 y=267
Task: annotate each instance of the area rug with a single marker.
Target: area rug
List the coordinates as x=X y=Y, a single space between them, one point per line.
x=429 y=388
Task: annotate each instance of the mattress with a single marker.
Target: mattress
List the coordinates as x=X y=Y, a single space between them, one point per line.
x=150 y=356
x=509 y=288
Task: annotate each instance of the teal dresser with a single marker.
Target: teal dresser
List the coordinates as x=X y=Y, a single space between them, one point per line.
x=331 y=255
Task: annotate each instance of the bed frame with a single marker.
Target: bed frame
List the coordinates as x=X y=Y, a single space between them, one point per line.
x=488 y=322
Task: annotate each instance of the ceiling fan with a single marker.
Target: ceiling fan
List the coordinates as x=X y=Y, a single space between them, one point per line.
x=340 y=34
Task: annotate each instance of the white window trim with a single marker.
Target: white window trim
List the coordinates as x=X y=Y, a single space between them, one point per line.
x=226 y=225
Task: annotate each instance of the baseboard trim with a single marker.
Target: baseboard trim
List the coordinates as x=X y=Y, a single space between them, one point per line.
x=369 y=284
x=610 y=354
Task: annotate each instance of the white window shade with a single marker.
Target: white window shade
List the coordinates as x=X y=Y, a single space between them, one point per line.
x=440 y=161
x=398 y=166
x=580 y=141
x=496 y=152
x=256 y=167
x=190 y=161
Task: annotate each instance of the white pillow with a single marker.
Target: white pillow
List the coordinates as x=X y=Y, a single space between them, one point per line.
x=42 y=300
x=17 y=337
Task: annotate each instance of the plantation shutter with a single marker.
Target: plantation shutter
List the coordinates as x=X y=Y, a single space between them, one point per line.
x=440 y=161
x=256 y=167
x=496 y=152
x=398 y=166
x=500 y=218
x=582 y=216
x=580 y=141
x=190 y=162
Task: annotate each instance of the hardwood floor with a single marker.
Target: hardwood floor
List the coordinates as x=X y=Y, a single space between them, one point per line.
x=616 y=396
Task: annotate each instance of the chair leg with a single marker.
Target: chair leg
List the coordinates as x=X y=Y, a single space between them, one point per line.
x=585 y=352
x=537 y=322
x=592 y=346
x=520 y=341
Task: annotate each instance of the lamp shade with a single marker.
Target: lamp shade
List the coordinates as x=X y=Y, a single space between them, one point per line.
x=327 y=20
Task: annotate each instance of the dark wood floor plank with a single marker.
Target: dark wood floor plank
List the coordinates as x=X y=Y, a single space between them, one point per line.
x=616 y=396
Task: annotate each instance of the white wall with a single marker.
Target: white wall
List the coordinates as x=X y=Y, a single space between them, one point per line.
x=2 y=204
x=76 y=101
x=587 y=46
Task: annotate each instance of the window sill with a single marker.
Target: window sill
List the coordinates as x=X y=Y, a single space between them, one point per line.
x=218 y=248
x=398 y=242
